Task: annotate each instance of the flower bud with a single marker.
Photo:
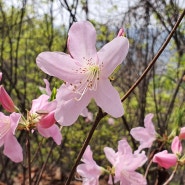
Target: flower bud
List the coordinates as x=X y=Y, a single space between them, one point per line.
x=176 y=146
x=6 y=100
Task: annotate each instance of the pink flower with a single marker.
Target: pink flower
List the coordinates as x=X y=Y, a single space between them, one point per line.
x=89 y=170
x=8 y=125
x=125 y=163
x=6 y=101
x=165 y=159
x=176 y=146
x=42 y=113
x=146 y=135
x=85 y=72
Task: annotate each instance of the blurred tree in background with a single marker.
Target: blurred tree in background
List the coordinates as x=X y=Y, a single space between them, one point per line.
x=28 y=27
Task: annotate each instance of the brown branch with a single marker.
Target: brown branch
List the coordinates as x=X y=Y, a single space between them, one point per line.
x=155 y=57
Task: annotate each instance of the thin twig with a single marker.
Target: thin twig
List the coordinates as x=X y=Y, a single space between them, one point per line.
x=44 y=165
x=172 y=175
x=155 y=57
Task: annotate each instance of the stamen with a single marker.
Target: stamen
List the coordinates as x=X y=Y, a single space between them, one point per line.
x=91 y=72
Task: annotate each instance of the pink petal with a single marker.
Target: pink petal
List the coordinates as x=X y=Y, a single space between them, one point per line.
x=108 y=98
x=149 y=124
x=12 y=148
x=132 y=178
x=140 y=134
x=176 y=145
x=87 y=156
x=113 y=54
x=89 y=171
x=124 y=147
x=47 y=120
x=48 y=90
x=6 y=100
x=82 y=40
x=14 y=121
x=37 y=104
x=52 y=131
x=165 y=159
x=67 y=111
x=59 y=65
x=110 y=155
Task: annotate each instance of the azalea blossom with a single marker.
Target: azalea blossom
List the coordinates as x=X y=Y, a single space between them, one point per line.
x=42 y=114
x=85 y=72
x=145 y=135
x=8 y=125
x=89 y=170
x=167 y=160
x=125 y=163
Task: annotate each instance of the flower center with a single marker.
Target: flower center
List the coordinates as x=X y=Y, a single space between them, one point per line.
x=91 y=75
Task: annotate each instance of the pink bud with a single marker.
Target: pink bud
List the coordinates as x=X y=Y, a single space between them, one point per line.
x=182 y=133
x=121 y=33
x=47 y=120
x=176 y=145
x=6 y=101
x=165 y=159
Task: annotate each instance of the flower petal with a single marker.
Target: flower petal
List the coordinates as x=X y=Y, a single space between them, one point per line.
x=113 y=54
x=12 y=148
x=68 y=110
x=108 y=98
x=59 y=65
x=149 y=124
x=176 y=145
x=110 y=154
x=124 y=147
x=14 y=121
x=82 y=40
x=52 y=131
x=132 y=178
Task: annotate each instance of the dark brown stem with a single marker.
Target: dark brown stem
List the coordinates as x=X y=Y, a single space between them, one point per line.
x=99 y=116
x=28 y=156
x=155 y=57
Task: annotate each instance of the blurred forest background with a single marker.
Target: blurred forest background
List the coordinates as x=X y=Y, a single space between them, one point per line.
x=28 y=27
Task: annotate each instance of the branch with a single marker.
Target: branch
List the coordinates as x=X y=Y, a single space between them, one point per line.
x=155 y=57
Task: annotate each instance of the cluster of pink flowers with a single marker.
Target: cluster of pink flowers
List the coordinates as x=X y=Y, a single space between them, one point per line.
x=85 y=72
x=168 y=160
x=124 y=164
x=40 y=117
